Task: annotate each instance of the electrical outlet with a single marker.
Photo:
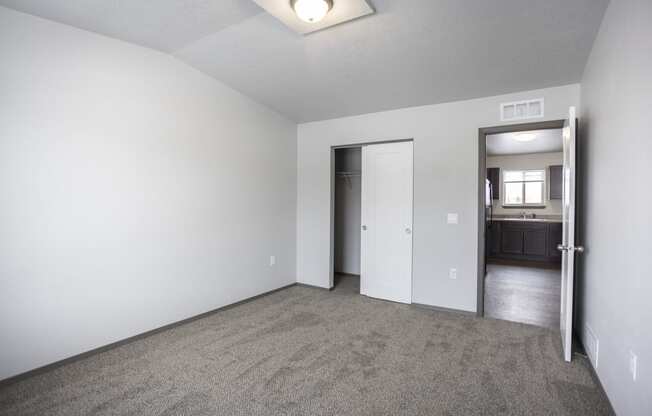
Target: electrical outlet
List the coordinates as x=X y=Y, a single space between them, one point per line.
x=633 y=361
x=272 y=260
x=453 y=218
x=452 y=273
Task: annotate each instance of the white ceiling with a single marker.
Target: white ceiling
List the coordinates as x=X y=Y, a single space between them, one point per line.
x=505 y=143
x=409 y=53
x=166 y=25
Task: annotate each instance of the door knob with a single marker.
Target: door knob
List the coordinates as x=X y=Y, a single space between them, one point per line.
x=408 y=230
x=364 y=228
x=579 y=249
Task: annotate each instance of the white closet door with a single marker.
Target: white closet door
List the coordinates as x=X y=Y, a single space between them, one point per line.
x=386 y=242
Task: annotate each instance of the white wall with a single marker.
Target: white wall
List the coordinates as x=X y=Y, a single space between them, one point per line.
x=348 y=200
x=616 y=283
x=522 y=162
x=445 y=181
x=134 y=192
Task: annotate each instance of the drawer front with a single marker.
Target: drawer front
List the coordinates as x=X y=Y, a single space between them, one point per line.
x=533 y=226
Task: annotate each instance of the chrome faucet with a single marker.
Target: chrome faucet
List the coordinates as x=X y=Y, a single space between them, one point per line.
x=525 y=215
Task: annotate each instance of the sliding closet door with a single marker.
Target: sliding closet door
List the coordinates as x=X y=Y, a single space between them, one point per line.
x=386 y=242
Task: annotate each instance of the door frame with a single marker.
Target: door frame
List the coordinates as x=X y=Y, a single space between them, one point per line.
x=331 y=261
x=482 y=177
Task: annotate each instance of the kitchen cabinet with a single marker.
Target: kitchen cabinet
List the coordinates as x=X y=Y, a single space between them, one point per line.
x=554 y=239
x=524 y=240
x=511 y=241
x=493 y=239
x=555 y=181
x=535 y=241
x=493 y=174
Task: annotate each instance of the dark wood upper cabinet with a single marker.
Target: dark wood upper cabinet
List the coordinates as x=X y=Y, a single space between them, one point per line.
x=493 y=174
x=555 y=180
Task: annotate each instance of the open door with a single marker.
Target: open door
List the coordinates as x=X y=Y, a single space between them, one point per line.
x=568 y=247
x=386 y=240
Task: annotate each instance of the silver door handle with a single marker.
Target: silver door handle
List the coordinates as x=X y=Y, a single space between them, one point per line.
x=364 y=228
x=408 y=230
x=579 y=249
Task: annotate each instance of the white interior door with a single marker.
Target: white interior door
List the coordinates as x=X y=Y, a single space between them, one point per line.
x=568 y=246
x=386 y=241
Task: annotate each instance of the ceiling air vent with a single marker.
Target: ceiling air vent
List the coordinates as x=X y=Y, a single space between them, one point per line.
x=521 y=110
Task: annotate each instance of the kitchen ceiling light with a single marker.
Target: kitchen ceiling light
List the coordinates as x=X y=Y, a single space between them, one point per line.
x=525 y=137
x=311 y=11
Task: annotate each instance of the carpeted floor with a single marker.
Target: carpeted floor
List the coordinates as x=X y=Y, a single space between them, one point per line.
x=306 y=351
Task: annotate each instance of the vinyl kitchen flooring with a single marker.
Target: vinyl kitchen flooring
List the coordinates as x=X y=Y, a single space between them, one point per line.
x=523 y=294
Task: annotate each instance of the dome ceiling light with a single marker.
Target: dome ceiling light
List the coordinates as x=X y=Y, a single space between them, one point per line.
x=307 y=16
x=311 y=11
x=524 y=137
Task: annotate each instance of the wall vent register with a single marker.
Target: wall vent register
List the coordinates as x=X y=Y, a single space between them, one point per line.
x=522 y=110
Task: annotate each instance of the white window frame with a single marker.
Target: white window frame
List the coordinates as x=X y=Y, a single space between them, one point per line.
x=524 y=204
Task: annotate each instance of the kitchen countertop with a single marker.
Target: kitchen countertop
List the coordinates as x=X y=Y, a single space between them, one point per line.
x=518 y=219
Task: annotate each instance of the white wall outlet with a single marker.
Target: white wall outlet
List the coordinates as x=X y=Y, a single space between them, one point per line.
x=453 y=218
x=452 y=273
x=633 y=361
x=272 y=260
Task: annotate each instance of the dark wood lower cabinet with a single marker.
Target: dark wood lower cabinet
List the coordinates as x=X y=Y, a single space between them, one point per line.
x=535 y=242
x=554 y=239
x=516 y=240
x=511 y=241
x=493 y=239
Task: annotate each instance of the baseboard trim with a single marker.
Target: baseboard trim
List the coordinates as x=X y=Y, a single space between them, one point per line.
x=313 y=286
x=596 y=379
x=86 y=354
x=442 y=309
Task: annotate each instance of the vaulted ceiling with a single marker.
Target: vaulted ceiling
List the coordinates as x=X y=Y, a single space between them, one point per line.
x=409 y=53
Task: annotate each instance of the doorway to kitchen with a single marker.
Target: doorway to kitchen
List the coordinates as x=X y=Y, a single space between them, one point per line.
x=522 y=223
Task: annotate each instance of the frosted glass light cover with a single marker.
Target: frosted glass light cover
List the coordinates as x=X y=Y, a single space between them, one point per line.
x=311 y=11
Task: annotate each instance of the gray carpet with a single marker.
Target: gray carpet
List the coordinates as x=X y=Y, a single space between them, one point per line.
x=305 y=351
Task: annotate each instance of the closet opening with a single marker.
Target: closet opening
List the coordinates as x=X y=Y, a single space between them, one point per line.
x=347 y=199
x=371 y=220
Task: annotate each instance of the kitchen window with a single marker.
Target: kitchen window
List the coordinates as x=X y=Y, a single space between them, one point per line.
x=523 y=187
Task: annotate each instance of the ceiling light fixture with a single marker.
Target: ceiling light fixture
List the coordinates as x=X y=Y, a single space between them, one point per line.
x=525 y=137
x=311 y=11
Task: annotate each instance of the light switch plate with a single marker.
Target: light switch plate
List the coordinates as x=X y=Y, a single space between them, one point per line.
x=342 y=11
x=453 y=218
x=633 y=361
